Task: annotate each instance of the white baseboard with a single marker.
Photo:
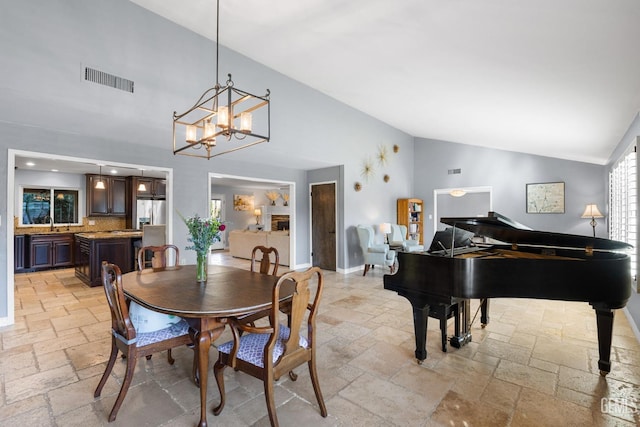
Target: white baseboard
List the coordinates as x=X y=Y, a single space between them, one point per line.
x=632 y=322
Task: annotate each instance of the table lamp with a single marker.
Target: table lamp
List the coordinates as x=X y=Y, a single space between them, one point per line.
x=385 y=229
x=591 y=211
x=257 y=212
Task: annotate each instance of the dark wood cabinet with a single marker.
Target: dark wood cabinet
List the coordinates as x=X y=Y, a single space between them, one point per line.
x=20 y=257
x=110 y=201
x=155 y=188
x=91 y=252
x=50 y=250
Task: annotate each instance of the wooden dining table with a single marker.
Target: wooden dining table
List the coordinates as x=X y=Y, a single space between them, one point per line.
x=207 y=307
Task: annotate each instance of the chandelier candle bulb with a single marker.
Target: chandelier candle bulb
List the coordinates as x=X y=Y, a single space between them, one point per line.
x=191 y=131
x=245 y=121
x=209 y=132
x=223 y=116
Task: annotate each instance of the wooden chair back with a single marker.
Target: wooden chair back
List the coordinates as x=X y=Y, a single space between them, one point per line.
x=295 y=344
x=125 y=339
x=160 y=258
x=265 y=260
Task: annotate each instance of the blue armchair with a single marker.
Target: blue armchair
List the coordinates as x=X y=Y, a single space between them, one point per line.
x=374 y=253
x=398 y=237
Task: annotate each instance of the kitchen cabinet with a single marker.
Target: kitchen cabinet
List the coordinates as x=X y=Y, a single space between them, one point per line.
x=155 y=188
x=91 y=251
x=20 y=257
x=50 y=250
x=410 y=214
x=110 y=201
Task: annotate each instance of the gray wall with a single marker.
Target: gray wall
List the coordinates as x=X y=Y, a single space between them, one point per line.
x=47 y=107
x=508 y=173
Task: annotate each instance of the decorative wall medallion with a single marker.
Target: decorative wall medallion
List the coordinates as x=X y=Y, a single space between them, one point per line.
x=386 y=178
x=367 y=170
x=396 y=148
x=357 y=186
x=382 y=155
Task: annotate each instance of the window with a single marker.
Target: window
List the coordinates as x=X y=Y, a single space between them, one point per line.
x=623 y=203
x=41 y=205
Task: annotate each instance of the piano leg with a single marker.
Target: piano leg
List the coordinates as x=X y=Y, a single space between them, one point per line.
x=463 y=319
x=420 y=316
x=604 y=319
x=484 y=312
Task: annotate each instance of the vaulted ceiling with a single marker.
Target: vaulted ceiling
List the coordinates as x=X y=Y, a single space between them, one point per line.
x=547 y=77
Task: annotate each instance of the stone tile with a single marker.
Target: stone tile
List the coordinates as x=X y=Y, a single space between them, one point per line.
x=564 y=354
x=393 y=403
x=39 y=383
x=51 y=361
x=455 y=410
x=526 y=376
x=540 y=409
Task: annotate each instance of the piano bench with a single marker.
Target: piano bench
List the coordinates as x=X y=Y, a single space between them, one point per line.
x=444 y=312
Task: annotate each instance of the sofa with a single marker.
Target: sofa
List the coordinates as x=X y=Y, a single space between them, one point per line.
x=242 y=242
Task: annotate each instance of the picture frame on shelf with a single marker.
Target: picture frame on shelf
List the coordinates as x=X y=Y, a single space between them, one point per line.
x=545 y=197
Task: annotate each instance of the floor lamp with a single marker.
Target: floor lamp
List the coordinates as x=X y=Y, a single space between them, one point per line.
x=591 y=211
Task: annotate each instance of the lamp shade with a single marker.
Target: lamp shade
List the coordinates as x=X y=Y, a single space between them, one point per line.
x=591 y=211
x=385 y=228
x=257 y=212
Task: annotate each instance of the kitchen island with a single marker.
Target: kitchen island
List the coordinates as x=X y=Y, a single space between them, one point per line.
x=92 y=248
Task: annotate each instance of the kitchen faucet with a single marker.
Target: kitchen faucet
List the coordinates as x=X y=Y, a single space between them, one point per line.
x=51 y=221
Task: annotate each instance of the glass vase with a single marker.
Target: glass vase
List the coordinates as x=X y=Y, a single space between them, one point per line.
x=201 y=267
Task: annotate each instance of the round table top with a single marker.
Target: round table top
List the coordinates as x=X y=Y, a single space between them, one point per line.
x=228 y=291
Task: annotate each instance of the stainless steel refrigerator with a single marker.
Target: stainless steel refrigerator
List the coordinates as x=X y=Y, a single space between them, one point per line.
x=150 y=212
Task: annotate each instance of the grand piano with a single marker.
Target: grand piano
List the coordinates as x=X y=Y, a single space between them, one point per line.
x=517 y=263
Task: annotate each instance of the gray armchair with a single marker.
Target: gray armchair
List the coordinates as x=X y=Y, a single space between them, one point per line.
x=398 y=237
x=374 y=253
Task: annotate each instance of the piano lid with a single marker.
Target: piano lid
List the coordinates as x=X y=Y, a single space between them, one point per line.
x=499 y=227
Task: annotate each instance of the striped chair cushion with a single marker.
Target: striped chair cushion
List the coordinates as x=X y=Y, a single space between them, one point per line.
x=175 y=330
x=252 y=346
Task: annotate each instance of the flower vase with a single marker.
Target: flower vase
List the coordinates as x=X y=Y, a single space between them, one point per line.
x=201 y=267
x=273 y=203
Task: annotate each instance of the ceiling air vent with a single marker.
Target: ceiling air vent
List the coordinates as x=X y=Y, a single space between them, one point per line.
x=107 y=79
x=454 y=171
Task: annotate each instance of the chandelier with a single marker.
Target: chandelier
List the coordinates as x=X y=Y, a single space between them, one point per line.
x=223 y=120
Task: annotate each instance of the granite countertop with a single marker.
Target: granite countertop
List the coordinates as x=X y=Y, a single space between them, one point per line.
x=109 y=234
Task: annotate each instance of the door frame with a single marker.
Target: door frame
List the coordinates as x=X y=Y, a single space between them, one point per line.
x=223 y=237
x=292 y=204
x=11 y=162
x=440 y=191
x=335 y=204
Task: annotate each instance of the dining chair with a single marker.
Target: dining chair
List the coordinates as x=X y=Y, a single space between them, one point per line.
x=125 y=339
x=268 y=352
x=265 y=266
x=265 y=261
x=160 y=258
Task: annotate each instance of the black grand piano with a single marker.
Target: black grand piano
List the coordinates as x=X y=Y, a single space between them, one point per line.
x=524 y=264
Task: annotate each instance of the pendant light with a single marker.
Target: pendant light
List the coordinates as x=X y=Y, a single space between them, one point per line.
x=100 y=183
x=142 y=187
x=224 y=119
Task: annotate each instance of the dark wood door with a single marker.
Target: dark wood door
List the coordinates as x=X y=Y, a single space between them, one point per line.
x=323 y=226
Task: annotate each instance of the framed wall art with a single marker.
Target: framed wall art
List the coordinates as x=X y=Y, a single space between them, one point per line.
x=547 y=197
x=242 y=202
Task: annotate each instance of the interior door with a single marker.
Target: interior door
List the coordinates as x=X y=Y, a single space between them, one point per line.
x=323 y=226
x=217 y=211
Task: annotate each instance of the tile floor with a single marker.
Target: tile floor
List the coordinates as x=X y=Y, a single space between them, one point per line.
x=535 y=364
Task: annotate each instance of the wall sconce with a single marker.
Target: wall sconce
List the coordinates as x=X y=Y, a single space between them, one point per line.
x=257 y=212
x=592 y=211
